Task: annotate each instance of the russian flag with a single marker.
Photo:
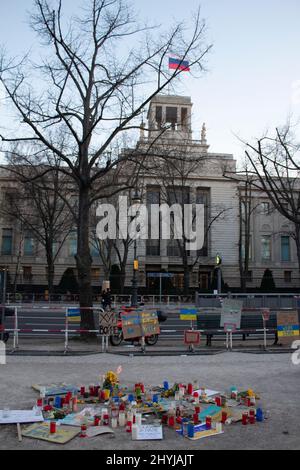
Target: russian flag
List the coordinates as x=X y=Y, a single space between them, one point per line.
x=175 y=63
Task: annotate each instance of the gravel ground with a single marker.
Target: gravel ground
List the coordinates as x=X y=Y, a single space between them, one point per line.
x=274 y=377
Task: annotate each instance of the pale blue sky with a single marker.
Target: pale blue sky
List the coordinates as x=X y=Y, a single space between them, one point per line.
x=253 y=67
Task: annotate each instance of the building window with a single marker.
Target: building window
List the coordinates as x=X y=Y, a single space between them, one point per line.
x=72 y=243
x=27 y=273
x=285 y=248
x=203 y=196
x=95 y=274
x=6 y=247
x=152 y=246
x=288 y=276
x=266 y=248
x=28 y=244
x=173 y=249
x=158 y=116
x=244 y=247
x=184 y=114
x=171 y=116
x=265 y=208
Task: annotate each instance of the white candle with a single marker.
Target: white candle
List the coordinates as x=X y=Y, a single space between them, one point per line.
x=138 y=419
x=134 y=432
x=122 y=419
x=114 y=423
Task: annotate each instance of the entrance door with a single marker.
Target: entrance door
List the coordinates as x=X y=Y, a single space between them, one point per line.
x=204 y=281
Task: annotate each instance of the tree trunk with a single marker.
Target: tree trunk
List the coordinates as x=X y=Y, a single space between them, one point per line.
x=84 y=261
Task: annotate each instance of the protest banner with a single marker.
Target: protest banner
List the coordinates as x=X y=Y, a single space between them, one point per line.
x=231 y=314
x=288 y=326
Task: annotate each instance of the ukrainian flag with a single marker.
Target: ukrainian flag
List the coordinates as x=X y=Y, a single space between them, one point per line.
x=73 y=315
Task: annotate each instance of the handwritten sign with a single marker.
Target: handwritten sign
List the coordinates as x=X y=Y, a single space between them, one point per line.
x=20 y=416
x=231 y=313
x=149 y=433
x=191 y=337
x=137 y=324
x=107 y=323
x=131 y=325
x=287 y=325
x=149 y=324
x=265 y=314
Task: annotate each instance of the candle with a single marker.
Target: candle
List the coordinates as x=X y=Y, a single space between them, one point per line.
x=219 y=427
x=191 y=430
x=74 y=405
x=83 y=430
x=122 y=419
x=171 y=421
x=196 y=397
x=190 y=389
x=245 y=419
x=224 y=417
x=166 y=385
x=134 y=431
x=96 y=420
x=129 y=426
x=82 y=390
x=114 y=423
x=52 y=427
x=208 y=422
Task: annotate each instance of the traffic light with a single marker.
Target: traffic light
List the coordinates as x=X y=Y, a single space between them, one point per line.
x=135 y=265
x=218 y=260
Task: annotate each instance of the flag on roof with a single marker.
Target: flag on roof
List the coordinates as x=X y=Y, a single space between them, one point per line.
x=176 y=63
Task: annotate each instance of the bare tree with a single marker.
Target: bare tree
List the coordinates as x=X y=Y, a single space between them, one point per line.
x=273 y=167
x=179 y=164
x=35 y=202
x=98 y=74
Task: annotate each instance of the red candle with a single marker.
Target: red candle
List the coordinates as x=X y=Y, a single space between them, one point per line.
x=122 y=406
x=190 y=389
x=245 y=419
x=164 y=419
x=208 y=422
x=129 y=426
x=252 y=418
x=83 y=430
x=96 y=421
x=224 y=417
x=197 y=409
x=82 y=390
x=195 y=418
x=171 y=421
x=39 y=402
x=218 y=401
x=52 y=427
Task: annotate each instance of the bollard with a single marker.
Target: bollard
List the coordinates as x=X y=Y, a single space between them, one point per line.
x=66 y=332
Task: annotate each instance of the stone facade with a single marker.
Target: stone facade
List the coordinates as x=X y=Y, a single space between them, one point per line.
x=174 y=113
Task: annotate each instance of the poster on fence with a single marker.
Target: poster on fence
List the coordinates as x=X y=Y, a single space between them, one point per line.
x=192 y=337
x=131 y=324
x=231 y=313
x=288 y=327
x=107 y=323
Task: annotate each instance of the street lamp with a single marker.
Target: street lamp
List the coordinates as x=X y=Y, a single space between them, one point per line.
x=136 y=199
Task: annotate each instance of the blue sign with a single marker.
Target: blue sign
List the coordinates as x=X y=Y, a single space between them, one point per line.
x=160 y=275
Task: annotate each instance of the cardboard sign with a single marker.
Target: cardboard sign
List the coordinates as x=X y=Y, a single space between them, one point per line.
x=266 y=314
x=131 y=325
x=231 y=313
x=149 y=324
x=188 y=314
x=149 y=433
x=107 y=323
x=20 y=416
x=229 y=327
x=137 y=324
x=192 y=337
x=288 y=326
x=41 y=431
